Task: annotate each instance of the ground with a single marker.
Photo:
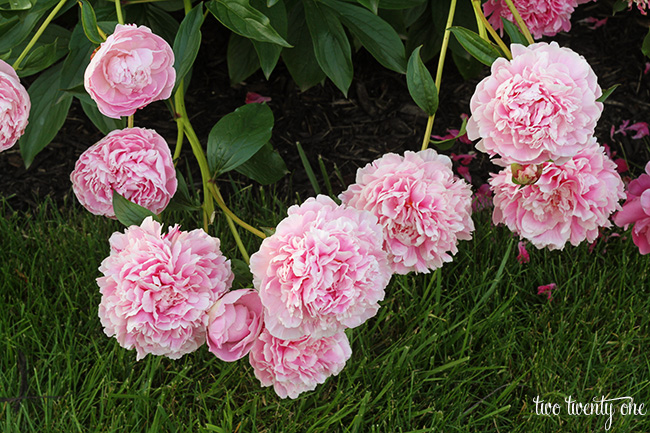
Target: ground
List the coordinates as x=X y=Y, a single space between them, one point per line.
x=378 y=116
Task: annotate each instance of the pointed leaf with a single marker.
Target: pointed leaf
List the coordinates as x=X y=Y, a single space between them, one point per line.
x=129 y=213
x=516 y=37
x=242 y=58
x=238 y=136
x=103 y=123
x=301 y=60
x=187 y=42
x=269 y=54
x=483 y=51
x=607 y=93
x=420 y=84
x=243 y=19
x=265 y=167
x=89 y=22
x=331 y=45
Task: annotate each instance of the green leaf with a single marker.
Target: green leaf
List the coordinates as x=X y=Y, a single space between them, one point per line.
x=448 y=143
x=243 y=19
x=607 y=93
x=161 y=22
x=50 y=107
x=269 y=54
x=103 y=123
x=51 y=34
x=243 y=277
x=400 y=4
x=14 y=31
x=619 y=5
x=129 y=213
x=371 y=5
x=187 y=42
x=300 y=60
x=425 y=34
x=74 y=66
x=645 y=46
x=271 y=3
x=89 y=22
x=516 y=37
x=483 y=51
x=238 y=136
x=39 y=59
x=265 y=167
x=15 y=5
x=375 y=34
x=182 y=200
x=467 y=65
x=331 y=45
x=5 y=57
x=242 y=58
x=420 y=84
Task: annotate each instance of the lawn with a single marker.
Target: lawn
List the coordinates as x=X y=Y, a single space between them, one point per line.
x=466 y=348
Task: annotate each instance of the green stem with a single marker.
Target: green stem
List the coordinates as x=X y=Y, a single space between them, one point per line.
x=490 y=29
x=130 y=121
x=179 y=139
x=118 y=10
x=520 y=22
x=187 y=6
x=441 y=63
x=38 y=34
x=214 y=190
x=240 y=245
x=482 y=32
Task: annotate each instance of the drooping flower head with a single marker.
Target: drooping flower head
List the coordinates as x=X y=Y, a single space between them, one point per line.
x=135 y=162
x=293 y=367
x=422 y=207
x=568 y=203
x=157 y=288
x=322 y=271
x=539 y=106
x=542 y=17
x=234 y=323
x=14 y=106
x=636 y=211
x=130 y=70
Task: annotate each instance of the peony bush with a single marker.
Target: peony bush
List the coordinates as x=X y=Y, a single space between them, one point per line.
x=324 y=269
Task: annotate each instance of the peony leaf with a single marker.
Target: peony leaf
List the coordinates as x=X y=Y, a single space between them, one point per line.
x=103 y=123
x=485 y=52
x=89 y=22
x=331 y=44
x=243 y=19
x=400 y=4
x=238 y=136
x=371 y=5
x=420 y=84
x=242 y=59
x=265 y=167
x=516 y=37
x=129 y=213
x=187 y=42
x=375 y=34
x=645 y=46
x=607 y=93
x=268 y=53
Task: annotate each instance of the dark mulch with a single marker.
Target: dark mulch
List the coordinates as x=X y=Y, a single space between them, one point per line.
x=378 y=116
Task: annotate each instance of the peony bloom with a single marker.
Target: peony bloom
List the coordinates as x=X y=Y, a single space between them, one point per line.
x=14 y=107
x=293 y=367
x=135 y=162
x=568 y=203
x=157 y=288
x=423 y=208
x=542 y=17
x=539 y=106
x=322 y=271
x=130 y=70
x=234 y=323
x=636 y=210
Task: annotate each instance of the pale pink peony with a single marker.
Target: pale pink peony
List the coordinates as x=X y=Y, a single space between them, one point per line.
x=422 y=207
x=130 y=70
x=636 y=211
x=234 y=323
x=157 y=288
x=542 y=17
x=568 y=203
x=293 y=367
x=135 y=162
x=14 y=107
x=539 y=106
x=322 y=271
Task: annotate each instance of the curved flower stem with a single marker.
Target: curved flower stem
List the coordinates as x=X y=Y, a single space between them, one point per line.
x=118 y=10
x=38 y=34
x=179 y=139
x=490 y=29
x=240 y=245
x=482 y=31
x=214 y=190
x=520 y=22
x=441 y=63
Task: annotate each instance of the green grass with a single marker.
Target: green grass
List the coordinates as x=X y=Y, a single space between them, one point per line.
x=464 y=349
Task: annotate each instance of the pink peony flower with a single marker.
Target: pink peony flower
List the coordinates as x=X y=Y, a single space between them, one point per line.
x=423 y=208
x=322 y=271
x=546 y=290
x=135 y=162
x=293 y=367
x=539 y=106
x=636 y=211
x=568 y=203
x=234 y=323
x=157 y=288
x=130 y=70
x=641 y=5
x=14 y=107
x=542 y=17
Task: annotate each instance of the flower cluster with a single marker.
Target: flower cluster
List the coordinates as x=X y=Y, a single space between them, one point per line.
x=636 y=211
x=568 y=203
x=14 y=107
